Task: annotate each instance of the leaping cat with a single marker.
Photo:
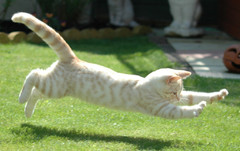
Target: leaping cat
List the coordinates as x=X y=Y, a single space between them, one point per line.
x=156 y=94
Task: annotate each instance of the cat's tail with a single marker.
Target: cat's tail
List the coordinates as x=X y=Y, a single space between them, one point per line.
x=49 y=35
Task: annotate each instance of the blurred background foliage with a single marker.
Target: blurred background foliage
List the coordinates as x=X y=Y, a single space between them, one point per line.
x=61 y=13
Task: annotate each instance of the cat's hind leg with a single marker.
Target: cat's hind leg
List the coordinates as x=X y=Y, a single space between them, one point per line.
x=28 y=85
x=32 y=101
x=190 y=98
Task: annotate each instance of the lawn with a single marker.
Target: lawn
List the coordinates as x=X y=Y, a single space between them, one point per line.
x=70 y=124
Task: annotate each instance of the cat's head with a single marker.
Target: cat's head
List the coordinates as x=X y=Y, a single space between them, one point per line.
x=167 y=83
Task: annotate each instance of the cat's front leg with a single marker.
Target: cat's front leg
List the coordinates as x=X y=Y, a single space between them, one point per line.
x=190 y=98
x=192 y=111
x=170 y=111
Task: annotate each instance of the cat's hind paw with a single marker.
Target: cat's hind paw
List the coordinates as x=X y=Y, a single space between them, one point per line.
x=28 y=113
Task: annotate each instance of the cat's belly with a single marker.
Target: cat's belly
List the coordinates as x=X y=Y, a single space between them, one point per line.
x=124 y=100
x=112 y=90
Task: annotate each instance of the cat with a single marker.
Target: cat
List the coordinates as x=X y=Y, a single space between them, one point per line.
x=157 y=94
x=186 y=14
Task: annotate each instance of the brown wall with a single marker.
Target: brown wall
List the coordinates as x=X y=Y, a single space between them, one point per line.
x=229 y=17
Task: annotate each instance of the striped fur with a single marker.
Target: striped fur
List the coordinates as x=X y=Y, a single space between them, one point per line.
x=156 y=94
x=52 y=38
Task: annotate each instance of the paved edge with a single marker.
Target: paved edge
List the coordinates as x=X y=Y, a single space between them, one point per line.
x=170 y=52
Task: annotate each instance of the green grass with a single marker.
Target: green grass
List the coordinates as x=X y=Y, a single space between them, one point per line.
x=70 y=124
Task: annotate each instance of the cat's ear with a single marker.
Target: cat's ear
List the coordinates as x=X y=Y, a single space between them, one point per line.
x=172 y=79
x=184 y=74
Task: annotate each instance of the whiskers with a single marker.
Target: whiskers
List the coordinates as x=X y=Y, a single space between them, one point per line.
x=182 y=101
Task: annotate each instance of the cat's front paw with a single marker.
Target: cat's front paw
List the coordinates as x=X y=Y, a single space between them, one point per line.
x=223 y=93
x=193 y=111
x=219 y=95
x=199 y=108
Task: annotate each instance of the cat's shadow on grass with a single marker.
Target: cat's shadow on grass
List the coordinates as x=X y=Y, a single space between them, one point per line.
x=35 y=133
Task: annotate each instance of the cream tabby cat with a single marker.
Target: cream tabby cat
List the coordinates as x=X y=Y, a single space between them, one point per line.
x=155 y=94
